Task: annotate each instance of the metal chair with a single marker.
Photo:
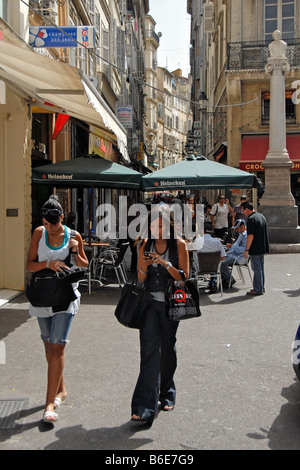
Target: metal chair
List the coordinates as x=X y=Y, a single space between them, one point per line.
x=112 y=258
x=240 y=267
x=209 y=264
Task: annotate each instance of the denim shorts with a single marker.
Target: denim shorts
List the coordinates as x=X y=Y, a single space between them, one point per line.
x=55 y=329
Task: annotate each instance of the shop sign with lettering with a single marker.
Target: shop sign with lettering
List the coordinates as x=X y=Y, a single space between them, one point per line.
x=65 y=36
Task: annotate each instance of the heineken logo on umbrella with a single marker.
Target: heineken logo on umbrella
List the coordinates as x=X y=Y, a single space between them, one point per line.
x=59 y=177
x=168 y=183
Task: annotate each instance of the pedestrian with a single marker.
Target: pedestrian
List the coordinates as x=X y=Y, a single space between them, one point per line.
x=158 y=335
x=256 y=246
x=238 y=212
x=126 y=219
x=191 y=206
x=50 y=246
x=219 y=216
x=234 y=252
x=208 y=245
x=71 y=220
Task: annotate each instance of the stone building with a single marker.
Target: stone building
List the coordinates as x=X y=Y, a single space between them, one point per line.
x=59 y=102
x=229 y=54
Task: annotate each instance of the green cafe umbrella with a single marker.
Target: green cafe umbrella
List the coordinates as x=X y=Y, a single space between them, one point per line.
x=197 y=172
x=88 y=171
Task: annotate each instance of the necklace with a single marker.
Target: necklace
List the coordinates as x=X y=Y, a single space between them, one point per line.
x=160 y=253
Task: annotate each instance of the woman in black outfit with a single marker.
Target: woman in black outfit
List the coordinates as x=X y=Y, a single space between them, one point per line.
x=158 y=335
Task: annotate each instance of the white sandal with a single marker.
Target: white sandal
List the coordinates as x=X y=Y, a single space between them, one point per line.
x=50 y=417
x=59 y=401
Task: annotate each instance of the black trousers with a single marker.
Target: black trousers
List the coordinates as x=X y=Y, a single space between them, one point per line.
x=158 y=363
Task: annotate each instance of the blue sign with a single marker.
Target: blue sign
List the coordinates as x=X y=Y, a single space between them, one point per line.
x=50 y=36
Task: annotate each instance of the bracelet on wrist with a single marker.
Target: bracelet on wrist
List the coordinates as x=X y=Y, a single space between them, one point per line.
x=75 y=252
x=143 y=272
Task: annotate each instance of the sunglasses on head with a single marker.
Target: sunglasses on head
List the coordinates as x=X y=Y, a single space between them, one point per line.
x=53 y=212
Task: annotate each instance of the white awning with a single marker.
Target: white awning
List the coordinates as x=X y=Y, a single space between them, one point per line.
x=50 y=81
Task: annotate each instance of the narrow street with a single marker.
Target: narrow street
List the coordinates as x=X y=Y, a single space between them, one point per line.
x=236 y=388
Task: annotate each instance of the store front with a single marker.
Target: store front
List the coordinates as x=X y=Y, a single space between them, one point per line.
x=254 y=151
x=31 y=101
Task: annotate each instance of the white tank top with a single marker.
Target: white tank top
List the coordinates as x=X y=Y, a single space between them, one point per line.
x=47 y=252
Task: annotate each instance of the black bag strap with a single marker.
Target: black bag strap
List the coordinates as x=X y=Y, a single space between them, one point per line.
x=68 y=258
x=182 y=274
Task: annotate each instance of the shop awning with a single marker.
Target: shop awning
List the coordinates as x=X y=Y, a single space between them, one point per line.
x=256 y=147
x=51 y=82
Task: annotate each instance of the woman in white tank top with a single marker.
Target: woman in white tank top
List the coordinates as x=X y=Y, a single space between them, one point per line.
x=50 y=246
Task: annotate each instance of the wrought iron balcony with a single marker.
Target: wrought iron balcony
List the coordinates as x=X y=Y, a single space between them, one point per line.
x=150 y=33
x=254 y=55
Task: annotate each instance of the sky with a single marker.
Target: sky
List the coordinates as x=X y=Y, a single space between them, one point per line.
x=173 y=21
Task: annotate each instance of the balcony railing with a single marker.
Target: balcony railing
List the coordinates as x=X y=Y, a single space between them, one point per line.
x=254 y=55
x=150 y=33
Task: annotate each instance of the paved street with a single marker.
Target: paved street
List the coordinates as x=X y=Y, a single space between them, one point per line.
x=236 y=388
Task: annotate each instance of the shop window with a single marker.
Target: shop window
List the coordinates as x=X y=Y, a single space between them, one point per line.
x=40 y=135
x=290 y=108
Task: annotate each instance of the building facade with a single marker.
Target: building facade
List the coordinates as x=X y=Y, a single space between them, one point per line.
x=233 y=90
x=59 y=102
x=174 y=116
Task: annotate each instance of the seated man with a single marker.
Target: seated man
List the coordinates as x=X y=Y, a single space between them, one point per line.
x=210 y=244
x=235 y=251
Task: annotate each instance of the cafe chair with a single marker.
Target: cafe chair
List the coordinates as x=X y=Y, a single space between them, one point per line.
x=209 y=265
x=113 y=259
x=240 y=267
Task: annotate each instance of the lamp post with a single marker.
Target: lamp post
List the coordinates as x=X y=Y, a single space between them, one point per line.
x=278 y=204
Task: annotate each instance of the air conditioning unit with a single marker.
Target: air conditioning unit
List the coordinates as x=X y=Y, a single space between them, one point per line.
x=35 y=4
x=48 y=8
x=208 y=9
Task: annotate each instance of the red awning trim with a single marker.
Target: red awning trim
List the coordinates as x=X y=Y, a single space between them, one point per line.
x=256 y=147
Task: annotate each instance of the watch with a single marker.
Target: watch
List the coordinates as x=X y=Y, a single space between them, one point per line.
x=170 y=265
x=75 y=252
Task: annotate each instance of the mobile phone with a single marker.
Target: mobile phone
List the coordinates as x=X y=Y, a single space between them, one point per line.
x=147 y=254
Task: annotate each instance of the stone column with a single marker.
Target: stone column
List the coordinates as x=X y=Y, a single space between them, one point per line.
x=278 y=204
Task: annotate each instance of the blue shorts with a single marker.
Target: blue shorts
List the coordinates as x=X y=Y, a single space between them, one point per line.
x=55 y=329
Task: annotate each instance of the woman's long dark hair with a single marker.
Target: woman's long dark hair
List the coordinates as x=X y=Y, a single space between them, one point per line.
x=167 y=218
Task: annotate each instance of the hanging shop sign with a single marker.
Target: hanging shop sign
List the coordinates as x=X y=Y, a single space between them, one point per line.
x=65 y=36
x=125 y=116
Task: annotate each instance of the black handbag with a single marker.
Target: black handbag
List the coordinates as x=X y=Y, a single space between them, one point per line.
x=132 y=305
x=48 y=288
x=183 y=299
